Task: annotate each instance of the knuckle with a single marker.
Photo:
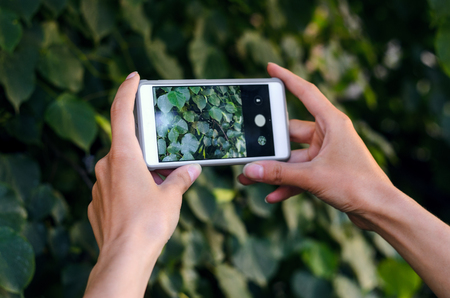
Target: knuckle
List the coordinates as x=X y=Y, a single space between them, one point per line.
x=277 y=174
x=100 y=167
x=90 y=211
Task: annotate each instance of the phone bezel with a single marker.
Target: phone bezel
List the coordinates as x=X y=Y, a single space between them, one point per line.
x=146 y=130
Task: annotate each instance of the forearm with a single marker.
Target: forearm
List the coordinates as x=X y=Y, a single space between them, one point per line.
x=122 y=272
x=421 y=239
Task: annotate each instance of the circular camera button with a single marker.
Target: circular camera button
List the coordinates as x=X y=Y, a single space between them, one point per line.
x=258 y=100
x=260 y=120
x=262 y=140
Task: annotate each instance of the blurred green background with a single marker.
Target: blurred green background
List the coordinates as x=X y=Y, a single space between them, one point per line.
x=385 y=63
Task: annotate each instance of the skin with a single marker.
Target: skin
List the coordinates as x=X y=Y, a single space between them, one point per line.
x=338 y=169
x=134 y=212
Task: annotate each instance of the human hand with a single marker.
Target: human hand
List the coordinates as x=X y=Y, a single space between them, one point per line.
x=336 y=167
x=133 y=211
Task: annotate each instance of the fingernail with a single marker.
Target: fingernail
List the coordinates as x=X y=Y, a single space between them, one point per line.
x=131 y=75
x=265 y=200
x=194 y=171
x=254 y=171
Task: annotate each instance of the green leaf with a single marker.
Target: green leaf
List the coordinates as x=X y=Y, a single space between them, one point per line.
x=36 y=234
x=232 y=282
x=41 y=203
x=136 y=18
x=208 y=61
x=177 y=99
x=72 y=119
x=261 y=50
x=61 y=68
x=181 y=126
x=233 y=134
x=171 y=157
x=214 y=99
x=99 y=16
x=174 y=148
x=202 y=126
x=216 y=113
x=16 y=261
x=166 y=66
x=25 y=8
x=10 y=30
x=173 y=135
x=256 y=195
x=228 y=220
x=21 y=173
x=207 y=141
x=256 y=260
x=17 y=74
x=56 y=6
x=399 y=279
x=320 y=259
x=189 y=116
x=60 y=209
x=346 y=288
x=223 y=89
x=202 y=203
x=189 y=144
x=187 y=156
x=231 y=108
x=161 y=146
x=443 y=45
x=12 y=212
x=305 y=285
x=195 y=89
x=200 y=100
x=164 y=103
x=184 y=91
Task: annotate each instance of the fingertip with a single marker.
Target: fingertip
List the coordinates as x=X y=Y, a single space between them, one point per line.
x=194 y=171
x=254 y=171
x=131 y=75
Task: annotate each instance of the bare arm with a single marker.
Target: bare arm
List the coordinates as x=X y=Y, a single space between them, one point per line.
x=339 y=169
x=133 y=211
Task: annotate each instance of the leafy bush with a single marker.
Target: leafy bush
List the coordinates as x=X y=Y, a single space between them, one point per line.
x=199 y=123
x=61 y=62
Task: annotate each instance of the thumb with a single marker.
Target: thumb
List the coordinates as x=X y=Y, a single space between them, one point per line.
x=274 y=172
x=182 y=178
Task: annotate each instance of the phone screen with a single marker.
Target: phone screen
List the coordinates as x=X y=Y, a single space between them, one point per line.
x=212 y=122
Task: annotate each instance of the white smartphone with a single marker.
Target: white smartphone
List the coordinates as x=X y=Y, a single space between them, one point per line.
x=211 y=122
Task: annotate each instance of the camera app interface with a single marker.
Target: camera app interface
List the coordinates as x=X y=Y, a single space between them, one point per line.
x=212 y=122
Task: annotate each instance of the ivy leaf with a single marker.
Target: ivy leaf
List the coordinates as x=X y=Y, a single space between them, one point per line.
x=189 y=144
x=167 y=89
x=25 y=8
x=232 y=282
x=399 y=278
x=41 y=202
x=214 y=99
x=202 y=203
x=10 y=30
x=173 y=135
x=237 y=98
x=202 y=126
x=99 y=16
x=167 y=66
x=187 y=156
x=161 y=146
x=232 y=133
x=322 y=261
x=227 y=117
x=200 y=100
x=174 y=148
x=223 y=89
x=216 y=114
x=195 y=89
x=164 y=103
x=207 y=141
x=17 y=259
x=177 y=99
x=256 y=260
x=136 y=17
x=184 y=91
x=171 y=157
x=72 y=119
x=231 y=108
x=12 y=212
x=62 y=68
x=189 y=116
x=17 y=74
x=181 y=126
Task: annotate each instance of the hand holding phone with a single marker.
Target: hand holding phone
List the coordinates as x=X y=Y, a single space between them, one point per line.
x=211 y=122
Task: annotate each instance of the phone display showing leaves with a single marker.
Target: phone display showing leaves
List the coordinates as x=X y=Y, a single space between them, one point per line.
x=199 y=122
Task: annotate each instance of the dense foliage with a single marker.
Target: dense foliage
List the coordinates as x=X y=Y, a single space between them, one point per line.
x=199 y=123
x=61 y=62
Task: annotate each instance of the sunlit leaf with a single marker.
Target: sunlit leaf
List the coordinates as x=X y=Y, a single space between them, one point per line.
x=72 y=119
x=200 y=100
x=399 y=278
x=173 y=135
x=195 y=89
x=164 y=103
x=177 y=99
x=174 y=148
x=216 y=113
x=189 y=144
x=167 y=66
x=189 y=116
x=232 y=282
x=171 y=157
x=181 y=126
x=320 y=259
x=214 y=99
x=187 y=156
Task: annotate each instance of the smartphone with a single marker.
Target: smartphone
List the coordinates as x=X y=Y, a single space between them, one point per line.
x=211 y=122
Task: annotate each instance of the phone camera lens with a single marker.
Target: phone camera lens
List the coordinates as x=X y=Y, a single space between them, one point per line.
x=258 y=100
x=262 y=140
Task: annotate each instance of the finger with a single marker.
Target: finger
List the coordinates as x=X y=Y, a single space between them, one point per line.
x=165 y=173
x=157 y=178
x=277 y=173
x=244 y=180
x=315 y=102
x=182 y=178
x=299 y=155
x=282 y=193
x=122 y=117
x=301 y=131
